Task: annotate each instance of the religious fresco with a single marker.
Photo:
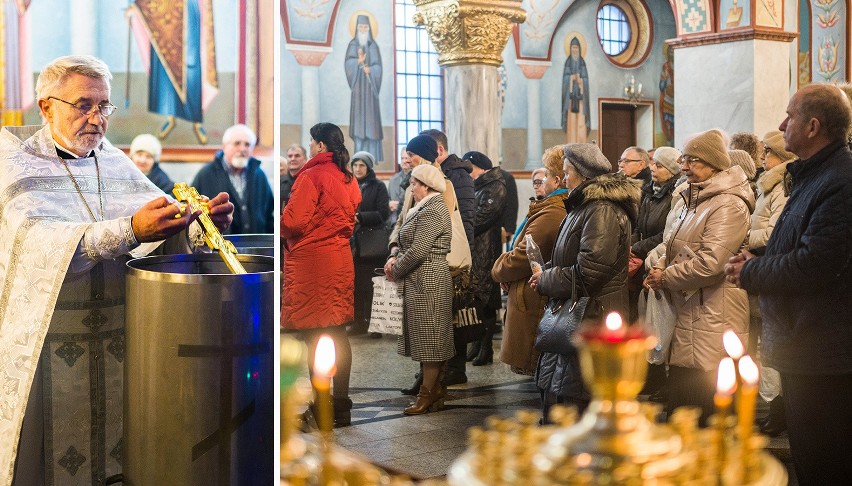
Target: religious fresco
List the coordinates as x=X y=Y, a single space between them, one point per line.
x=309 y=19
x=769 y=13
x=363 y=65
x=666 y=99
x=576 y=113
x=543 y=16
x=694 y=16
x=734 y=14
x=828 y=41
x=804 y=44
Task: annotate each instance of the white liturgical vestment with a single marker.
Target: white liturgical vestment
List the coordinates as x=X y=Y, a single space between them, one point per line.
x=62 y=300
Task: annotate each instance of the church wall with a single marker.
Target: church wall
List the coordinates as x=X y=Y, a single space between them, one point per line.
x=606 y=79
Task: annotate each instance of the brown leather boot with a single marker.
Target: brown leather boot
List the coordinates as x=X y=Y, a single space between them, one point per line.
x=427 y=401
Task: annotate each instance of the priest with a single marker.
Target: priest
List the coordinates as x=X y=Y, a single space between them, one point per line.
x=73 y=210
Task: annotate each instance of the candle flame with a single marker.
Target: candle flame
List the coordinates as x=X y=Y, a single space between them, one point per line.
x=324 y=356
x=733 y=345
x=748 y=370
x=613 y=321
x=727 y=379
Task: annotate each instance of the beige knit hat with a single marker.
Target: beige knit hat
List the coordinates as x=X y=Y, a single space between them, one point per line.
x=668 y=158
x=147 y=143
x=775 y=141
x=744 y=160
x=430 y=175
x=710 y=147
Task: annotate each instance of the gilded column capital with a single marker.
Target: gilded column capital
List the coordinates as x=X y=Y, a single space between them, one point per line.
x=469 y=31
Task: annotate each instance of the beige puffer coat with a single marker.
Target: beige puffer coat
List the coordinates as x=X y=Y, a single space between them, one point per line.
x=773 y=189
x=711 y=228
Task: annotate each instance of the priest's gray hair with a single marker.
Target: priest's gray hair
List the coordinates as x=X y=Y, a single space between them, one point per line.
x=54 y=73
x=229 y=134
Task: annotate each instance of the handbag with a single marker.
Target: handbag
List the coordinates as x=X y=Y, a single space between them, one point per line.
x=660 y=315
x=386 y=312
x=561 y=320
x=459 y=258
x=467 y=326
x=371 y=242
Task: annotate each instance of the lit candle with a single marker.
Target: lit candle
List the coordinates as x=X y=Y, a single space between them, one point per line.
x=323 y=371
x=733 y=345
x=613 y=331
x=726 y=384
x=747 y=400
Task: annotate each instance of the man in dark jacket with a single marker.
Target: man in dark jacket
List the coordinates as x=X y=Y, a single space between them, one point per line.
x=296 y=159
x=487 y=242
x=509 y=220
x=458 y=172
x=236 y=172
x=804 y=283
x=634 y=163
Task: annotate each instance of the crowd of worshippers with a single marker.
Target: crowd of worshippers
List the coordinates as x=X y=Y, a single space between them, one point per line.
x=743 y=233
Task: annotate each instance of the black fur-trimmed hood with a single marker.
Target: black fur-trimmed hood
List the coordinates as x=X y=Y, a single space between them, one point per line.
x=616 y=188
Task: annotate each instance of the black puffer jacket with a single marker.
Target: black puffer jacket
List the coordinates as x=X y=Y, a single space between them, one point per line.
x=373 y=210
x=458 y=172
x=593 y=237
x=490 y=205
x=653 y=210
x=805 y=277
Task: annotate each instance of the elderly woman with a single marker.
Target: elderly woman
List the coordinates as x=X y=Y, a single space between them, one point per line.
x=525 y=306
x=145 y=151
x=421 y=266
x=371 y=215
x=712 y=227
x=593 y=244
x=773 y=189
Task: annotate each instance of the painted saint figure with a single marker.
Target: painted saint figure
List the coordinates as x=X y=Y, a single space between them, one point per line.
x=364 y=73
x=575 y=96
x=177 y=48
x=667 y=94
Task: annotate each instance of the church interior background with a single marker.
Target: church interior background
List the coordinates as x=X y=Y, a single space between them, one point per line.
x=230 y=41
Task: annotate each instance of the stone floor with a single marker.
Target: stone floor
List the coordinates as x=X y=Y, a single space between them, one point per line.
x=425 y=446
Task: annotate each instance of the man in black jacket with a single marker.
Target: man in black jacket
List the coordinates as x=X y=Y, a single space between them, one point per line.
x=634 y=163
x=458 y=171
x=296 y=159
x=236 y=172
x=804 y=281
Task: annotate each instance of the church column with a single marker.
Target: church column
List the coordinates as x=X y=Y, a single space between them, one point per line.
x=469 y=36
x=533 y=71
x=737 y=82
x=84 y=40
x=309 y=58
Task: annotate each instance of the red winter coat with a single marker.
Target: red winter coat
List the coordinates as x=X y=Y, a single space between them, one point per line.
x=319 y=277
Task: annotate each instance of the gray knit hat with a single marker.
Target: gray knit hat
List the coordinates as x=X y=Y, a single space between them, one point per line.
x=668 y=158
x=430 y=175
x=775 y=141
x=587 y=158
x=710 y=147
x=744 y=160
x=365 y=157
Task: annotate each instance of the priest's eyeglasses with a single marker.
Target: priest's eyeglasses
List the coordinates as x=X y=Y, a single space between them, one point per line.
x=86 y=109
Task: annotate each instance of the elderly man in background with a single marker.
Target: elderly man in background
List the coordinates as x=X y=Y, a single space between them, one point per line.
x=634 y=163
x=804 y=283
x=76 y=210
x=236 y=172
x=296 y=159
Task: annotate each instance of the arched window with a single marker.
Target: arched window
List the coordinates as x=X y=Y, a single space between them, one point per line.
x=613 y=29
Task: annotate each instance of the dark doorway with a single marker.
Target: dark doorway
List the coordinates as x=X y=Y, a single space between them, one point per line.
x=618 y=130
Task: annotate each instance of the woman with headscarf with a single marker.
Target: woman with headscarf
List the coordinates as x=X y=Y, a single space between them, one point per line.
x=371 y=215
x=318 y=275
x=773 y=189
x=711 y=228
x=525 y=306
x=421 y=266
x=593 y=244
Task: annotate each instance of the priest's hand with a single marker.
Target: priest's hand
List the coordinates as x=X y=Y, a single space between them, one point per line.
x=157 y=220
x=221 y=211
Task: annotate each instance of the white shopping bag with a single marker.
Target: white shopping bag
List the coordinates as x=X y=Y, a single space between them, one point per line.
x=386 y=314
x=660 y=316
